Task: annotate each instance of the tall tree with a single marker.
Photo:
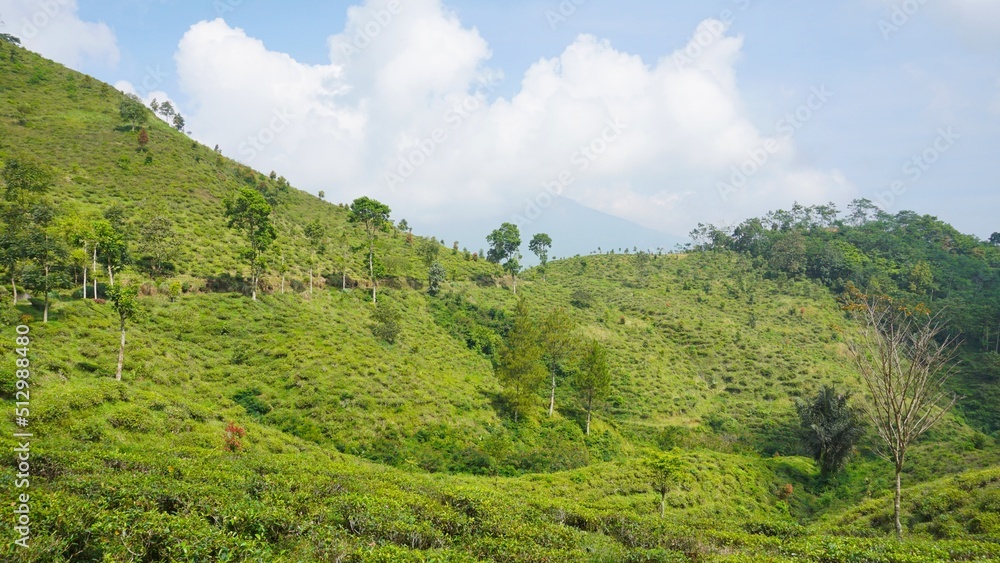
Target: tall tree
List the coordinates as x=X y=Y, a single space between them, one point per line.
x=314 y=232
x=905 y=360
x=557 y=345
x=46 y=251
x=167 y=109
x=593 y=378
x=79 y=235
x=374 y=215
x=540 y=245
x=25 y=181
x=249 y=213
x=132 y=110
x=178 y=122
x=831 y=427
x=157 y=241
x=520 y=369
x=505 y=245
x=111 y=248
x=125 y=300
x=344 y=248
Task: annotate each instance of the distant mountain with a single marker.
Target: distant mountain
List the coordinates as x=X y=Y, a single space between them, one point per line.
x=574 y=228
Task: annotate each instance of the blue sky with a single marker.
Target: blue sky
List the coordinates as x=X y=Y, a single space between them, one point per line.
x=905 y=79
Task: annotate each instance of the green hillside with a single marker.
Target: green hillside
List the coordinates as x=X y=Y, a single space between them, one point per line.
x=285 y=429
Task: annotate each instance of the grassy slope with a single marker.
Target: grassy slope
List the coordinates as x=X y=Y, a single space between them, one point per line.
x=44 y=105
x=116 y=464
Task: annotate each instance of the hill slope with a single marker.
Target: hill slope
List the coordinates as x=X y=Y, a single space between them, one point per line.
x=358 y=449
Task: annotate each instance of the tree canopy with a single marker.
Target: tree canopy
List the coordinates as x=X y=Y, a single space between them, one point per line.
x=374 y=216
x=505 y=245
x=249 y=213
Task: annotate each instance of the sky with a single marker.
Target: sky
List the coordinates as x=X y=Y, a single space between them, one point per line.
x=461 y=114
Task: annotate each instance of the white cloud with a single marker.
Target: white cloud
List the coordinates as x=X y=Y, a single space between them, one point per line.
x=648 y=143
x=53 y=29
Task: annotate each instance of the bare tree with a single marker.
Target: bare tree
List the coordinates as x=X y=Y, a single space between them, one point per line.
x=905 y=358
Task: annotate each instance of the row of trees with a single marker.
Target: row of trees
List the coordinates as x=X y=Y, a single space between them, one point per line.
x=132 y=110
x=44 y=247
x=250 y=211
x=505 y=249
x=537 y=350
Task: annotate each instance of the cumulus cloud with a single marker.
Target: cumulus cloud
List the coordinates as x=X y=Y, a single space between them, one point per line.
x=54 y=29
x=405 y=111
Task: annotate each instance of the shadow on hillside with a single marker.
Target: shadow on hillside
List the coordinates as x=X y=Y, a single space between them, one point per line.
x=228 y=283
x=499 y=404
x=339 y=280
x=485 y=280
x=156 y=270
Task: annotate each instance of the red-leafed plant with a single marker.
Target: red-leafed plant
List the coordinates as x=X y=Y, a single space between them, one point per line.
x=232 y=436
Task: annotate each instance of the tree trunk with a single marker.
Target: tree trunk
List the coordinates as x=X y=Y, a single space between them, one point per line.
x=121 y=355
x=515 y=283
x=310 y=281
x=13 y=284
x=663 y=503
x=589 y=402
x=111 y=276
x=343 y=280
x=552 y=395
x=45 y=310
x=896 y=505
x=253 y=292
x=95 y=271
x=85 y=272
x=371 y=267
